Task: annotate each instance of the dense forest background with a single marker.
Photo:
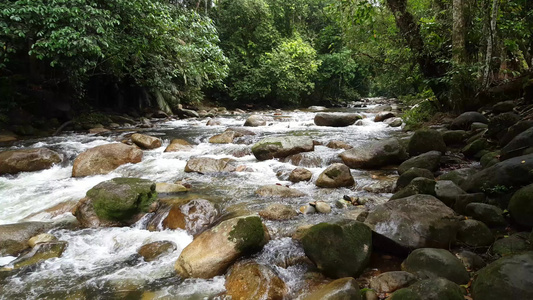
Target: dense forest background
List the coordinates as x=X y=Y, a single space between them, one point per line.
x=63 y=58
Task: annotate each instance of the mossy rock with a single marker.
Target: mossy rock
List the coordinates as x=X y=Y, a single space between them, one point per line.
x=521 y=206
x=474 y=147
x=474 y=233
x=434 y=263
x=424 y=141
x=419 y=185
x=516 y=243
x=411 y=174
x=490 y=159
x=248 y=235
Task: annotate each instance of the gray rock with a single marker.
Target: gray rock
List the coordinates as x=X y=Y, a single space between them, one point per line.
x=419 y=185
x=280 y=191
x=145 y=141
x=475 y=147
x=27 y=160
x=411 y=174
x=486 y=213
x=343 y=288
x=435 y=263
x=447 y=191
x=336 y=119
x=458 y=176
x=515 y=244
x=520 y=145
x=429 y=160
x=279 y=147
x=424 y=141
x=14 y=237
x=336 y=175
x=300 y=174
x=389 y=282
x=521 y=206
x=464 y=199
x=384 y=115
x=453 y=137
x=255 y=121
x=503 y=107
x=206 y=165
x=474 y=233
x=278 y=211
x=374 y=154
x=470 y=260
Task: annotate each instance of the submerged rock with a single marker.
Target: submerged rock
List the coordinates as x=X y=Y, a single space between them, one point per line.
x=374 y=154
x=343 y=288
x=280 y=147
x=27 y=160
x=336 y=175
x=153 y=251
x=206 y=165
x=336 y=119
x=145 y=141
x=104 y=159
x=249 y=280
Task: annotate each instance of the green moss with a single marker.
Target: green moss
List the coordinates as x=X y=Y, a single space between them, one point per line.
x=248 y=234
x=333 y=173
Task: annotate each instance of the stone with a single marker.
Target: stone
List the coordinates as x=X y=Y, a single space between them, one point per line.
x=510 y=277
x=274 y=190
x=249 y=280
x=87 y=217
x=306 y=160
x=405 y=294
x=424 y=141
x=300 y=174
x=322 y=207
x=521 y=206
x=239 y=131
x=169 y=188
x=338 y=145
x=177 y=145
x=474 y=233
x=435 y=289
x=334 y=176
x=394 y=122
x=214 y=250
x=41 y=238
x=339 y=249
x=389 y=282
x=384 y=115
x=14 y=237
x=374 y=154
x=316 y=108
x=429 y=160
x=145 y=141
x=447 y=192
x=207 y=165
x=39 y=253
x=343 y=288
x=213 y=122
x=153 y=251
x=435 y=263
x=520 y=145
x=27 y=160
x=419 y=185
x=194 y=216
x=453 y=137
x=470 y=260
x=475 y=147
x=410 y=174
x=278 y=212
x=458 y=176
x=280 y=147
x=466 y=119
x=514 y=244
x=226 y=137
x=255 y=121
x=489 y=214
x=490 y=159
x=308 y=209
x=498 y=125
x=515 y=130
x=186 y=113
x=503 y=107
x=336 y=119
x=104 y=159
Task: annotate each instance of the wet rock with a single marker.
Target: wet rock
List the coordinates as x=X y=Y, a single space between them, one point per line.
x=394 y=122
x=214 y=250
x=521 y=206
x=429 y=160
x=435 y=263
x=447 y=191
x=338 y=145
x=349 y=256
x=417 y=221
x=104 y=159
x=391 y=281
x=41 y=238
x=475 y=147
x=424 y=141
x=308 y=209
x=503 y=107
x=470 y=260
x=316 y=108
x=239 y=131
x=430 y=289
x=39 y=253
x=300 y=174
x=499 y=124
x=306 y=160
x=343 y=288
x=153 y=251
x=486 y=213
x=515 y=244
x=168 y=188
x=466 y=119
x=226 y=137
x=410 y=174
x=458 y=176
x=419 y=185
x=255 y=121
x=194 y=216
x=278 y=212
x=249 y=280
x=206 y=165
x=274 y=190
x=27 y=160
x=522 y=144
x=336 y=119
x=145 y=141
x=336 y=175
x=98 y=130
x=490 y=159
x=374 y=154
x=14 y=237
x=186 y=113
x=474 y=233
x=384 y=115
x=86 y=215
x=322 y=207
x=279 y=147
x=453 y=137
x=178 y=145
x=510 y=277
x=213 y=122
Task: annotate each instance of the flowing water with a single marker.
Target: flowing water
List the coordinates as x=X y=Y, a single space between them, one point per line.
x=102 y=263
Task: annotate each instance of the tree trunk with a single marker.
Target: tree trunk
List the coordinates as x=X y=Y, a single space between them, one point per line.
x=490 y=43
x=458 y=32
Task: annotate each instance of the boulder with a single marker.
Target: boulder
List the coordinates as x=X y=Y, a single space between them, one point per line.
x=14 y=237
x=503 y=107
x=224 y=138
x=498 y=125
x=464 y=199
x=336 y=175
x=27 y=160
x=178 y=145
x=410 y=174
x=336 y=119
x=214 y=250
x=339 y=249
x=206 y=165
x=39 y=253
x=343 y=288
x=389 y=282
x=274 y=190
x=475 y=147
x=458 y=176
x=430 y=289
x=394 y=122
x=338 y=145
x=104 y=159
x=515 y=130
x=490 y=159
x=470 y=260
x=307 y=160
x=435 y=263
x=194 y=216
x=213 y=122
x=249 y=280
x=153 y=251
x=521 y=206
x=419 y=185
x=384 y=115
x=429 y=160
x=447 y=191
x=145 y=141
x=508 y=278
x=322 y=207
x=424 y=141
x=514 y=244
x=255 y=121
x=476 y=126
x=374 y=154
x=239 y=131
x=300 y=174
x=278 y=212
x=486 y=213
x=453 y=137
x=280 y=147
x=186 y=113
x=474 y=233
x=522 y=144
x=466 y=119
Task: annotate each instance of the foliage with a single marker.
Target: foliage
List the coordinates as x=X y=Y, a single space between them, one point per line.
x=421 y=112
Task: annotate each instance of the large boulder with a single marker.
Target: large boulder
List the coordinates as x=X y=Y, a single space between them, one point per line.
x=498 y=125
x=453 y=137
x=340 y=289
x=194 y=216
x=430 y=289
x=226 y=137
x=521 y=206
x=466 y=119
x=339 y=249
x=419 y=185
x=474 y=147
x=474 y=233
x=27 y=160
x=336 y=119
x=206 y=165
x=515 y=130
x=274 y=190
x=334 y=176
x=447 y=191
x=458 y=176
x=255 y=121
x=429 y=160
x=508 y=278
x=14 y=237
x=418 y=221
x=280 y=147
x=374 y=154
x=434 y=263
x=249 y=280
x=145 y=141
x=462 y=201
x=514 y=244
x=104 y=159
x=424 y=141
x=214 y=250
x=384 y=115
x=178 y=145
x=410 y=174
x=520 y=145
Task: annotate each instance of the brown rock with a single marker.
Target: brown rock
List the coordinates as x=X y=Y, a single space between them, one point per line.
x=205 y=165
x=278 y=212
x=300 y=174
x=274 y=190
x=104 y=159
x=194 y=216
x=153 y=251
x=145 y=141
x=178 y=145
x=338 y=145
x=27 y=160
x=336 y=175
x=249 y=280
x=223 y=138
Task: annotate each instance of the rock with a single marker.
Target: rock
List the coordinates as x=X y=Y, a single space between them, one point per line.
x=306 y=160
x=453 y=137
x=255 y=121
x=300 y=174
x=214 y=250
x=41 y=238
x=384 y=115
x=417 y=221
x=104 y=159
x=522 y=144
x=98 y=130
x=510 y=277
x=350 y=254
x=389 y=282
x=419 y=185
x=499 y=124
x=338 y=145
x=223 y=138
x=410 y=174
x=475 y=147
x=336 y=175
x=503 y=107
x=515 y=244
x=486 y=213
x=206 y=165
x=405 y=294
x=39 y=253
x=370 y=295
x=280 y=147
x=14 y=237
x=87 y=217
x=470 y=260
x=521 y=206
x=429 y=160
x=145 y=141
x=178 y=145
x=458 y=176
x=239 y=131
x=27 y=160
x=322 y=207
x=336 y=119
x=168 y=188
x=394 y=122
x=478 y=126
x=308 y=209
x=274 y=190
x=6 y=137
x=186 y=113
x=435 y=263
x=490 y=159
x=278 y=212
x=474 y=233
x=424 y=141
x=194 y=216
x=343 y=288
x=515 y=130
x=249 y=280
x=153 y=251
x=432 y=289
x=466 y=119
x=447 y=192
x=374 y=154
x=213 y=122
x=316 y=108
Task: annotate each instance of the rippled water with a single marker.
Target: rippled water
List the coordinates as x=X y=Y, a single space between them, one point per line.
x=102 y=263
